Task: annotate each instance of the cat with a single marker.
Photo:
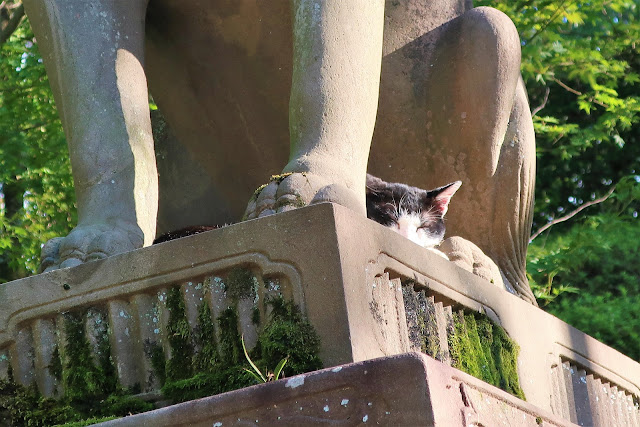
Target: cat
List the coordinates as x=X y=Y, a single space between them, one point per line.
x=412 y=212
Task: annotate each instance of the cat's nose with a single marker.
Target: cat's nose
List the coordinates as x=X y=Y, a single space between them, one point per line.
x=408 y=233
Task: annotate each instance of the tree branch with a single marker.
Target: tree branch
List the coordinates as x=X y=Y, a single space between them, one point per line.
x=564 y=86
x=572 y=214
x=577 y=92
x=8 y=27
x=559 y=10
x=544 y=102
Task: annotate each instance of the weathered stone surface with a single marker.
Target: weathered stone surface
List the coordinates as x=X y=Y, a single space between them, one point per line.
x=251 y=89
x=346 y=274
x=407 y=390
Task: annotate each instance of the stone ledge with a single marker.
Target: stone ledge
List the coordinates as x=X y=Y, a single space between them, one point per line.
x=408 y=389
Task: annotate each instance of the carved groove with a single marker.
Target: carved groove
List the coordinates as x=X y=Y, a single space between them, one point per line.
x=587 y=400
x=134 y=328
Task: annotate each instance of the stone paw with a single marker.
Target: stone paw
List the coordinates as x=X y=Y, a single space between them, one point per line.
x=470 y=257
x=89 y=243
x=295 y=190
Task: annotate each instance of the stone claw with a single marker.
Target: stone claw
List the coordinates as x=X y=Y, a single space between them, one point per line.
x=470 y=257
x=89 y=243
x=295 y=190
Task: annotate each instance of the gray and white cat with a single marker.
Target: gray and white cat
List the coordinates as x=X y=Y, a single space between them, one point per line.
x=412 y=212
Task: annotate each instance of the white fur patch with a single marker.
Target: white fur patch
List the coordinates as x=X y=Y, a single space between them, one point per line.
x=408 y=225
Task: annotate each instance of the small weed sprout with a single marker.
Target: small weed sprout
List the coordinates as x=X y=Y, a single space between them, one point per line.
x=257 y=374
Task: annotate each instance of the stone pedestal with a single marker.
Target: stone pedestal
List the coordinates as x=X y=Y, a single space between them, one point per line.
x=350 y=277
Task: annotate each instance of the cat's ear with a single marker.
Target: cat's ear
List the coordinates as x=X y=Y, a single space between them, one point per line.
x=374 y=184
x=443 y=196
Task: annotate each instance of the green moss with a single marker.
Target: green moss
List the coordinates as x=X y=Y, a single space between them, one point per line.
x=241 y=284
x=55 y=367
x=91 y=391
x=205 y=360
x=155 y=353
x=21 y=405
x=280 y=177
x=430 y=327
x=208 y=384
x=88 y=421
x=124 y=403
x=465 y=355
x=289 y=334
x=297 y=202
x=24 y=406
x=103 y=355
x=274 y=178
x=483 y=349
x=473 y=343
x=255 y=316
x=505 y=354
x=286 y=334
x=486 y=336
x=84 y=382
x=179 y=366
x=230 y=344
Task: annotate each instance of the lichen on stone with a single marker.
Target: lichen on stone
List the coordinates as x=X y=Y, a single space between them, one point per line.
x=297 y=202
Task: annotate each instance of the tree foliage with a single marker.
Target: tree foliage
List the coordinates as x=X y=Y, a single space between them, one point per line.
x=581 y=67
x=36 y=191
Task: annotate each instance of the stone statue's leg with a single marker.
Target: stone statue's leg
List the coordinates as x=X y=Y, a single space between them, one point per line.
x=333 y=104
x=93 y=52
x=480 y=130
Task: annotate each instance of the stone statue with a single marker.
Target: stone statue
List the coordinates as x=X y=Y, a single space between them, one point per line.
x=248 y=86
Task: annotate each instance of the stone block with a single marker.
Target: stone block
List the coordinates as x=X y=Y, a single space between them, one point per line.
x=405 y=390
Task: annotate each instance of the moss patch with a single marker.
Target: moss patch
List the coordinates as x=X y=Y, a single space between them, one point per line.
x=206 y=340
x=241 y=284
x=179 y=366
x=289 y=334
x=21 y=405
x=471 y=343
x=297 y=201
x=274 y=178
x=286 y=334
x=83 y=380
x=91 y=389
x=483 y=349
x=155 y=353
x=204 y=361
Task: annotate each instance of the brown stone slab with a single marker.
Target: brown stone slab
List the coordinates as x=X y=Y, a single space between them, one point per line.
x=409 y=389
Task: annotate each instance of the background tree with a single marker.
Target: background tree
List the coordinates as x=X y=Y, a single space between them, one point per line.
x=581 y=65
x=36 y=191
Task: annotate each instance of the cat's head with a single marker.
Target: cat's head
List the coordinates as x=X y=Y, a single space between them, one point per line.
x=412 y=212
